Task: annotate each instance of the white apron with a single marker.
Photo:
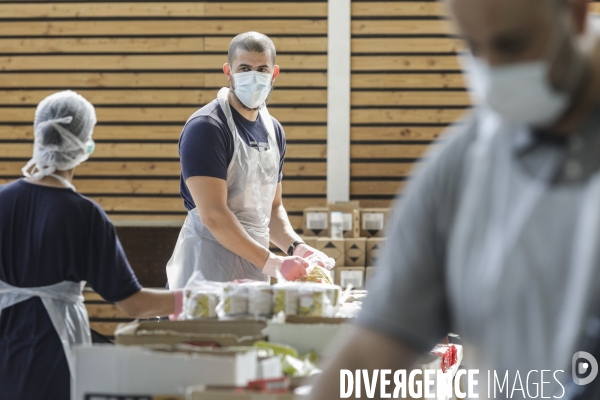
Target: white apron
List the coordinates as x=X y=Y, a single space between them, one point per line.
x=63 y=302
x=252 y=178
x=497 y=202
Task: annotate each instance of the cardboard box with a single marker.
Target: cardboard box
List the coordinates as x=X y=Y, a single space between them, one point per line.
x=375 y=248
x=351 y=214
x=307 y=333
x=198 y=393
x=369 y=272
x=355 y=252
x=350 y=275
x=374 y=222
x=225 y=333
x=334 y=248
x=119 y=370
x=310 y=240
x=316 y=221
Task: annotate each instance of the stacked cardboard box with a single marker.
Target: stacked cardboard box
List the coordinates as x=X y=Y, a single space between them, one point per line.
x=357 y=253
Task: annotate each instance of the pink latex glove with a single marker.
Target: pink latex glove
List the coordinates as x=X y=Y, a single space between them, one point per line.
x=292 y=268
x=303 y=250
x=178 y=295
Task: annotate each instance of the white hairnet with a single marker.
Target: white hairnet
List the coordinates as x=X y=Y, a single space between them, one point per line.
x=63 y=127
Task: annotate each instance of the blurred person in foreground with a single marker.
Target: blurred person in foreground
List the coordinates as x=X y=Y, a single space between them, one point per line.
x=496 y=238
x=232 y=152
x=52 y=241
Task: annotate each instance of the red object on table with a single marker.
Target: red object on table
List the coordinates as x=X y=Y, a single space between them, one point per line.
x=448 y=354
x=276 y=385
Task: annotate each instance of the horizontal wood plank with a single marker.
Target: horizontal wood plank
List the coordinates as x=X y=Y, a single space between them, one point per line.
x=105 y=328
x=403 y=116
x=148 y=220
x=408 y=98
x=105 y=311
x=147 y=79
x=391 y=170
x=395 y=133
x=406 y=81
x=167 y=27
x=157 y=168
x=270 y=9
x=150 y=96
x=397 y=8
x=90 y=295
x=149 y=45
x=405 y=63
x=399 y=27
x=153 y=150
x=388 y=151
x=164 y=9
x=100 y=9
x=143 y=62
x=282 y=44
x=378 y=203
x=406 y=45
x=171 y=115
x=374 y=187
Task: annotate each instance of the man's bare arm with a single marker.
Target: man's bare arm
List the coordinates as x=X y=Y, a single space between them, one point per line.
x=282 y=233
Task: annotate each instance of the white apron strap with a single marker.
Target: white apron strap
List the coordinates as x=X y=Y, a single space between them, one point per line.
x=64 y=304
x=64 y=181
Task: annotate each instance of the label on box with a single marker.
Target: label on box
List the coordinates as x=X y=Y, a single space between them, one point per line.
x=372 y=221
x=316 y=220
x=354 y=278
x=347 y=222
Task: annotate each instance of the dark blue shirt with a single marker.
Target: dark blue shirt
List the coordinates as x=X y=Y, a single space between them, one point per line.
x=49 y=235
x=206 y=144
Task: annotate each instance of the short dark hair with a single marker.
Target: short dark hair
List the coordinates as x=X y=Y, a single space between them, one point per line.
x=251 y=41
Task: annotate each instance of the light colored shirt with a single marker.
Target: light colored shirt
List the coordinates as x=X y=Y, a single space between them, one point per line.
x=409 y=298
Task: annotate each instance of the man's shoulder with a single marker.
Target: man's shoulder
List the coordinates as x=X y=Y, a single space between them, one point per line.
x=207 y=119
x=442 y=170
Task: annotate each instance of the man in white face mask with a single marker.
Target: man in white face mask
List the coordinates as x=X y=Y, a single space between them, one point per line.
x=232 y=154
x=496 y=237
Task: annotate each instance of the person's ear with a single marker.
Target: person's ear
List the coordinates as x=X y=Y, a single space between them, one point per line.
x=275 y=72
x=227 y=71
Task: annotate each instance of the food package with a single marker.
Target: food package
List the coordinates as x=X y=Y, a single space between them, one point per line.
x=317 y=274
x=235 y=300
x=311 y=303
x=318 y=300
x=285 y=298
x=260 y=299
x=199 y=303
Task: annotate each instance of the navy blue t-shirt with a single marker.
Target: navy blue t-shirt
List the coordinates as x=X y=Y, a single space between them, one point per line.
x=206 y=144
x=49 y=235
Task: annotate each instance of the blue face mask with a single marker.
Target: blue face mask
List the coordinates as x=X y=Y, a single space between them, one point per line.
x=90 y=146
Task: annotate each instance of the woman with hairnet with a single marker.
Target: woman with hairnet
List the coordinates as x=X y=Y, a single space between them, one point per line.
x=52 y=241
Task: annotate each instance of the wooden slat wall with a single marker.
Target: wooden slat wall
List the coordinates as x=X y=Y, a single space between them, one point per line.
x=147 y=66
x=407 y=88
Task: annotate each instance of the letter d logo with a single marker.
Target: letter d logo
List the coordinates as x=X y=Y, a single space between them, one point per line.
x=581 y=368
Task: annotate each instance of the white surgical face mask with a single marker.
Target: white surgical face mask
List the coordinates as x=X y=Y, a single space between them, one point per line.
x=520 y=93
x=252 y=88
x=523 y=93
